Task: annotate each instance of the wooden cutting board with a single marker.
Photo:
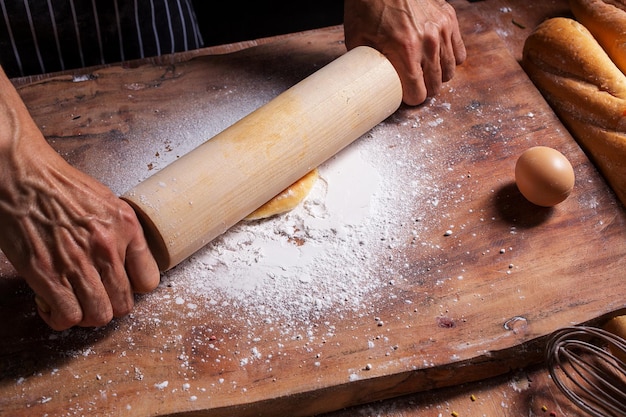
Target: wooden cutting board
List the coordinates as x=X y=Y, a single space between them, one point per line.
x=461 y=279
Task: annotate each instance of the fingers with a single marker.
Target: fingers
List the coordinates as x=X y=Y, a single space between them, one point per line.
x=458 y=46
x=93 y=300
x=59 y=307
x=42 y=305
x=141 y=266
x=441 y=52
x=77 y=300
x=92 y=297
x=435 y=64
x=59 y=316
x=93 y=291
x=426 y=70
x=414 y=89
x=118 y=289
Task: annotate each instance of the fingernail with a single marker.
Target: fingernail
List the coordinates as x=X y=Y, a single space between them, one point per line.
x=43 y=306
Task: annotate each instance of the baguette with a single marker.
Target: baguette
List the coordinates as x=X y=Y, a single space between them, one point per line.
x=586 y=90
x=606 y=20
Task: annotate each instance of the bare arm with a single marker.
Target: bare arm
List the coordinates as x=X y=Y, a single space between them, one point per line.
x=78 y=246
x=421 y=38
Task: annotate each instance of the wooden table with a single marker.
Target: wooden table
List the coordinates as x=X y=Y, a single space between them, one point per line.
x=475 y=303
x=527 y=391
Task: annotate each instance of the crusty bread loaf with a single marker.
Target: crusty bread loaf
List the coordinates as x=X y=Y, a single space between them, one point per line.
x=606 y=20
x=617 y=326
x=586 y=90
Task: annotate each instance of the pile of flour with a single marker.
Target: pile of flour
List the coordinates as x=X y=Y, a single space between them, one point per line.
x=322 y=255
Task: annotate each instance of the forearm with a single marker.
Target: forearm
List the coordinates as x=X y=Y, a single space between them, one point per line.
x=14 y=117
x=10 y=127
x=23 y=149
x=31 y=176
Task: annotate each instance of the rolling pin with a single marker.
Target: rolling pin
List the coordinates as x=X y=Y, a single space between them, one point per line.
x=205 y=192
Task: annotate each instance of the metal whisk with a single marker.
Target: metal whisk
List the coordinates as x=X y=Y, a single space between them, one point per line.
x=585 y=370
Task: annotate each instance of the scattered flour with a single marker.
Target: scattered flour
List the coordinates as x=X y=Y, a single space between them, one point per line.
x=340 y=251
x=322 y=255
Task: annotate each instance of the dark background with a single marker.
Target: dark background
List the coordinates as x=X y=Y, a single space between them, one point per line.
x=233 y=21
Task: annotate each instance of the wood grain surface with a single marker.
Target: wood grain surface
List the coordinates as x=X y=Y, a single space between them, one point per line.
x=471 y=303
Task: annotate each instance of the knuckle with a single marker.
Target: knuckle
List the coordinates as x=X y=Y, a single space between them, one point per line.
x=123 y=309
x=66 y=319
x=98 y=318
x=127 y=213
x=432 y=29
x=410 y=44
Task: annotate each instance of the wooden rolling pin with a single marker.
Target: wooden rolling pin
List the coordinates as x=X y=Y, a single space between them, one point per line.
x=201 y=195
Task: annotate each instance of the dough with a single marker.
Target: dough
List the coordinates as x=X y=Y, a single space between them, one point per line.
x=585 y=89
x=606 y=20
x=288 y=199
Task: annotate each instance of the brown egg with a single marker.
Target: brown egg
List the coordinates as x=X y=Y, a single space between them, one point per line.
x=544 y=176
